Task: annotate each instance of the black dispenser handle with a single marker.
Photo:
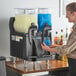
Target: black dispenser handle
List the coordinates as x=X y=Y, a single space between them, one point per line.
x=31 y=30
x=46 y=28
x=11 y=24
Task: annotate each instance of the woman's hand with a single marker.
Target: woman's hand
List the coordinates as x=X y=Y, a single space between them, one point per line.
x=47 y=48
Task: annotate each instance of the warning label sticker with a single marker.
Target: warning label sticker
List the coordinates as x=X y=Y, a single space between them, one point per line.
x=16 y=38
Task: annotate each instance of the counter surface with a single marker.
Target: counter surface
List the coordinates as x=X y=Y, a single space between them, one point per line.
x=39 y=66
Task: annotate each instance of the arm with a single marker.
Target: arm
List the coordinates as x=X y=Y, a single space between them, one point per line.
x=70 y=47
x=66 y=49
x=61 y=50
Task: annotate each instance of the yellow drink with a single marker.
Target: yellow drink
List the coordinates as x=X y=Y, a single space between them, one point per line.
x=23 y=22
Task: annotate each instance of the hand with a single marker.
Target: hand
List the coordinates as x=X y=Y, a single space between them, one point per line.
x=45 y=47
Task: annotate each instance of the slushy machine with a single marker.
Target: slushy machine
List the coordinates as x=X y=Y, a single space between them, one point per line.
x=26 y=44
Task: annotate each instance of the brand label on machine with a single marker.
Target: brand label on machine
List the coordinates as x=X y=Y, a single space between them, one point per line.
x=16 y=38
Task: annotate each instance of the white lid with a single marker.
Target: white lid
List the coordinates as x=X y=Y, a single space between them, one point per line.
x=26 y=11
x=44 y=10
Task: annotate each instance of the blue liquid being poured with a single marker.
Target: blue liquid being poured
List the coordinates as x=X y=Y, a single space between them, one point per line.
x=47 y=41
x=42 y=20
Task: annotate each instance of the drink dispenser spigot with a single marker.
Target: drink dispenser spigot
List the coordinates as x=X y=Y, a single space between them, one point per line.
x=46 y=34
x=31 y=32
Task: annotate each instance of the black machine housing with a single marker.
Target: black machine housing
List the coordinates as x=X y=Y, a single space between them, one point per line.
x=27 y=46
